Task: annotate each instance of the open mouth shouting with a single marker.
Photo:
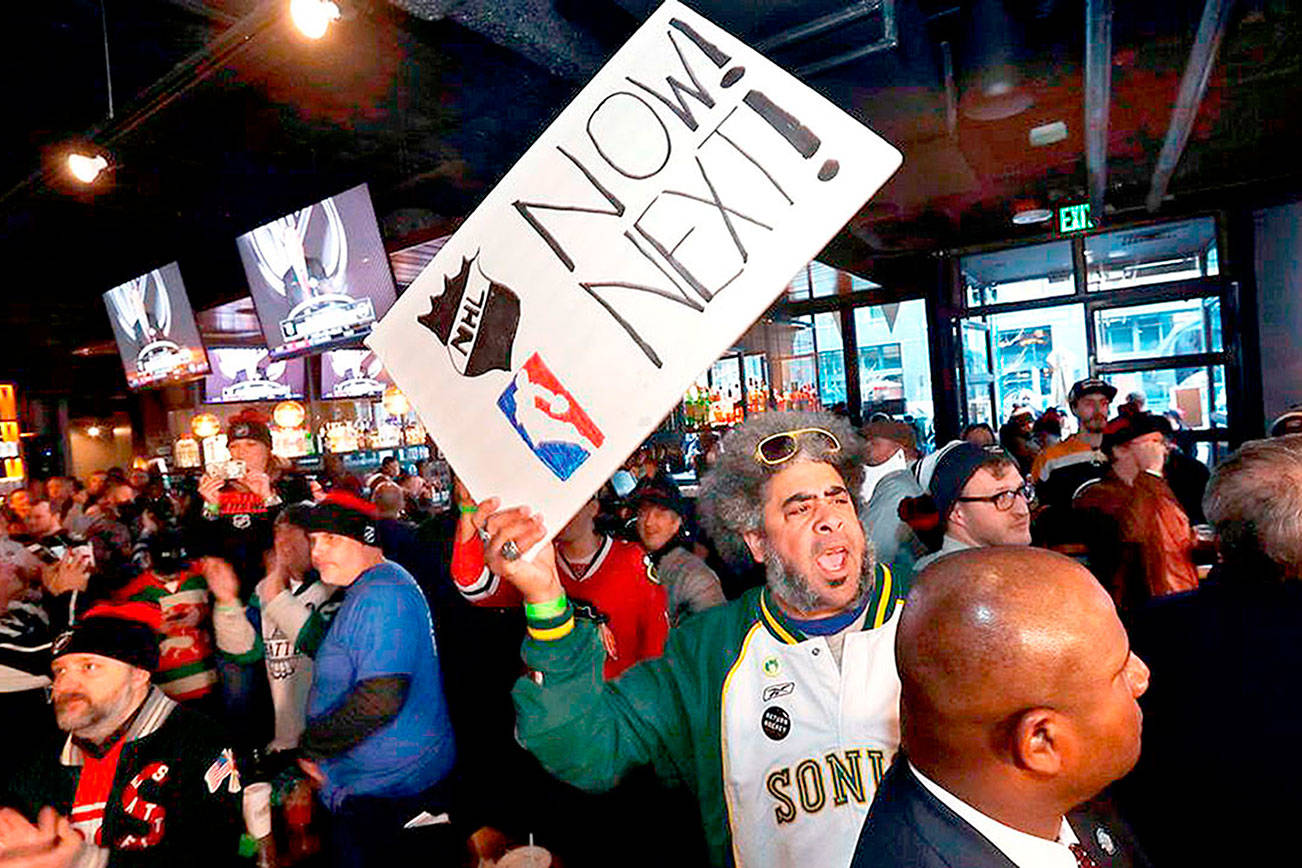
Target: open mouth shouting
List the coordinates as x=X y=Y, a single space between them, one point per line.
x=834 y=560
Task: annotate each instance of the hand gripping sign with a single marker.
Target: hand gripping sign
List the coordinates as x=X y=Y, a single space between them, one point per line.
x=640 y=235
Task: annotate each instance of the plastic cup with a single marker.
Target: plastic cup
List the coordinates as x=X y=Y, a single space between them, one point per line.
x=257 y=809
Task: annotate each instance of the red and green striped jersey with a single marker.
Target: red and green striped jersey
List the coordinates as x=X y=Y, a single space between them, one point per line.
x=186 y=664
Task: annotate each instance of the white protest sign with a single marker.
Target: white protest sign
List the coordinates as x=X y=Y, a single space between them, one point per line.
x=648 y=227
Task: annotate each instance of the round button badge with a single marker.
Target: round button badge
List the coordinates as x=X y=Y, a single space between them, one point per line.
x=775 y=722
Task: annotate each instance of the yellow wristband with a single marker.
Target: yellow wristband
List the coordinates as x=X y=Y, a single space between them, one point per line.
x=553 y=633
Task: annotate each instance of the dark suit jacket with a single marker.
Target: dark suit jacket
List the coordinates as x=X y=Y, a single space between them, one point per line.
x=907 y=826
x=1218 y=777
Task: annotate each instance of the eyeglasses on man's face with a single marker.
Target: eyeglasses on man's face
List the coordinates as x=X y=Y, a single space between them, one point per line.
x=1004 y=500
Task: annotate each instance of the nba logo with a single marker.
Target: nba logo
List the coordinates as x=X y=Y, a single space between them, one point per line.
x=548 y=419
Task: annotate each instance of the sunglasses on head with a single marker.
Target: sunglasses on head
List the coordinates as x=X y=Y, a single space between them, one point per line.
x=783 y=446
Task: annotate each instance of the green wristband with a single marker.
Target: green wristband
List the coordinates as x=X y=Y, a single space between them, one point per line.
x=467 y=508
x=549 y=609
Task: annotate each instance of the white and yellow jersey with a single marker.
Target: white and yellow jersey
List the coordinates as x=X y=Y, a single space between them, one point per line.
x=782 y=747
x=805 y=742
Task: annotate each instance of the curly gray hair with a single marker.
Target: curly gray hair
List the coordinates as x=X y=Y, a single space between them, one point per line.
x=731 y=500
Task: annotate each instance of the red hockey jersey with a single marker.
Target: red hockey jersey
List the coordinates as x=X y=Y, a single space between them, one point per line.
x=616 y=584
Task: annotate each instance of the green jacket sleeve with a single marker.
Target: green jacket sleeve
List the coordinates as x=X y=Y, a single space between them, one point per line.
x=589 y=732
x=664 y=712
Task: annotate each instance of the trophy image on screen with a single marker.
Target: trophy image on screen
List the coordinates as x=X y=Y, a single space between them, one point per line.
x=155 y=330
x=251 y=376
x=143 y=311
x=356 y=373
x=303 y=257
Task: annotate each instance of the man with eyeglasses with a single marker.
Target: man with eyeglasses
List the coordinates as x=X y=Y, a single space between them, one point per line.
x=779 y=710
x=981 y=498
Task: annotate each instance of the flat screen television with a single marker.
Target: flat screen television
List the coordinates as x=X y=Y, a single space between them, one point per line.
x=250 y=374
x=154 y=325
x=319 y=276
x=352 y=374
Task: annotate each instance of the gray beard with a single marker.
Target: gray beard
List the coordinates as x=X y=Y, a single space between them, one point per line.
x=796 y=591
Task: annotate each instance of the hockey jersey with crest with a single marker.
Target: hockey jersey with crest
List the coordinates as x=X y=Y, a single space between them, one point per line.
x=166 y=793
x=615 y=587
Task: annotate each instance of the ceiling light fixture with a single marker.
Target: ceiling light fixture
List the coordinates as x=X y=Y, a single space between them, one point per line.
x=994 y=89
x=86 y=169
x=395 y=402
x=1028 y=213
x=313 y=17
x=92 y=431
x=205 y=425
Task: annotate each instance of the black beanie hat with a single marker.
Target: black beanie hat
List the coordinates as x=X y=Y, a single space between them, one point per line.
x=123 y=631
x=954 y=468
x=248 y=425
x=347 y=515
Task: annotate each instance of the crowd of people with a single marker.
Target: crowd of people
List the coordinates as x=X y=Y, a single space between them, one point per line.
x=841 y=652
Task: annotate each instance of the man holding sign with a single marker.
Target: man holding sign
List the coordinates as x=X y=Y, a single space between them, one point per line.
x=779 y=710
x=652 y=222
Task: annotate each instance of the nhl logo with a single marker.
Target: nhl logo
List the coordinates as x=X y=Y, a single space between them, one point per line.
x=62 y=642
x=476 y=319
x=368 y=535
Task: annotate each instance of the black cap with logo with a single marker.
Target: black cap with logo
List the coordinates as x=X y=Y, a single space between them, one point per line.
x=1088 y=386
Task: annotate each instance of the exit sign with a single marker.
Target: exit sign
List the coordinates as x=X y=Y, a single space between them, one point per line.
x=1074 y=218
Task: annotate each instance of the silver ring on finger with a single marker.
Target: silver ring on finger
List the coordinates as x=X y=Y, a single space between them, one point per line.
x=510 y=551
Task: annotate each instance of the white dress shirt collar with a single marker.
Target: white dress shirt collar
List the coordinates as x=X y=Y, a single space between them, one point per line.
x=1023 y=850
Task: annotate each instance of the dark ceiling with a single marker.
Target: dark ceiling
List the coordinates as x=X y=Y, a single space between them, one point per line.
x=224 y=116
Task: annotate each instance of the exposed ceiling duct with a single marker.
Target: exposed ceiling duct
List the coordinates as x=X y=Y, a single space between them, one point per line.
x=1216 y=16
x=1098 y=99
x=829 y=24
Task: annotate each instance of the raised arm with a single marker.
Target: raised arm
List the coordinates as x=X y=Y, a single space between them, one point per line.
x=586 y=731
x=470 y=573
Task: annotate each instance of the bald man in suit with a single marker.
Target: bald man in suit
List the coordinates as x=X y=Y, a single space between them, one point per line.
x=1018 y=704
